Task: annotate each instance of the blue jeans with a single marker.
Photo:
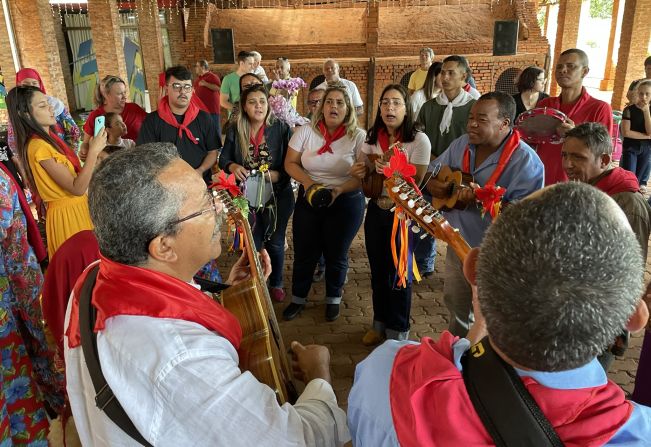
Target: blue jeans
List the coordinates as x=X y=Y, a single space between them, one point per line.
x=329 y=231
x=425 y=250
x=637 y=160
x=391 y=304
x=265 y=236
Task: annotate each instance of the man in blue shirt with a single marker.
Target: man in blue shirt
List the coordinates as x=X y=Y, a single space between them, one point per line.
x=492 y=154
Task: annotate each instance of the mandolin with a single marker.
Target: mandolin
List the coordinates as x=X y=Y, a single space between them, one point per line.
x=412 y=203
x=456 y=181
x=262 y=351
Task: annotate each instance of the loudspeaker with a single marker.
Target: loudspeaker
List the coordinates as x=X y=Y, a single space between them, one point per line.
x=222 y=45
x=505 y=37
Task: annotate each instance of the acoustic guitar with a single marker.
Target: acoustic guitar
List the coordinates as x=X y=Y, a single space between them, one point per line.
x=456 y=181
x=262 y=350
x=425 y=215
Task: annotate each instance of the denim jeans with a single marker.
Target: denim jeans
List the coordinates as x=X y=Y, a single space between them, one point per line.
x=391 y=305
x=329 y=231
x=264 y=236
x=638 y=161
x=425 y=250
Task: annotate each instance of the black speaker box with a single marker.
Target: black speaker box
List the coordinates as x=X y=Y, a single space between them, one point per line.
x=505 y=37
x=222 y=45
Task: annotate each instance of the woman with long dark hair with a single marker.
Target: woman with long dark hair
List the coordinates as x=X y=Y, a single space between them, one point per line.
x=330 y=204
x=531 y=89
x=431 y=88
x=254 y=151
x=394 y=130
x=51 y=166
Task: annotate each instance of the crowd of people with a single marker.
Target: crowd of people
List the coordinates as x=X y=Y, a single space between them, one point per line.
x=131 y=197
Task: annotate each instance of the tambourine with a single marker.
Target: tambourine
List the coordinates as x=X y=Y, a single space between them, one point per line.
x=539 y=125
x=318 y=196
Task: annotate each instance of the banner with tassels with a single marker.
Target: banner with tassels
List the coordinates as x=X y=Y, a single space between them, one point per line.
x=402 y=251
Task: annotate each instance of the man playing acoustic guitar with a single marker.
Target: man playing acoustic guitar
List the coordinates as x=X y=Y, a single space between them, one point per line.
x=503 y=169
x=169 y=352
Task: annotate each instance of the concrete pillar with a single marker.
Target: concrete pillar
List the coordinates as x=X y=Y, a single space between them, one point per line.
x=34 y=28
x=151 y=45
x=609 y=72
x=107 y=39
x=633 y=47
x=567 y=33
x=6 y=59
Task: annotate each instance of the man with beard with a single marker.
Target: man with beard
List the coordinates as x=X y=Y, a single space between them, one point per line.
x=179 y=120
x=575 y=102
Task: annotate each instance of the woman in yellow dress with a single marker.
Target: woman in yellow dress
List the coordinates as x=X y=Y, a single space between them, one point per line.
x=51 y=166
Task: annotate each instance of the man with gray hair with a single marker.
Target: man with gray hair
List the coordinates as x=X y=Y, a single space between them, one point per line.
x=169 y=352
x=331 y=73
x=557 y=276
x=417 y=78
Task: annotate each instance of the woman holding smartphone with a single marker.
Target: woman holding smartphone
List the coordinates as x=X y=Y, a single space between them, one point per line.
x=51 y=166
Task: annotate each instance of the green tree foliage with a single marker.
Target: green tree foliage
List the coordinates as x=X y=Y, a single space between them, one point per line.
x=601 y=9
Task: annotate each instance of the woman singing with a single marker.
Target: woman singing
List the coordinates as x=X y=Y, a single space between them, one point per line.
x=258 y=139
x=394 y=129
x=330 y=204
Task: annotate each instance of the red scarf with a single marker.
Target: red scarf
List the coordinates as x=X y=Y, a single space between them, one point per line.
x=25 y=73
x=617 y=180
x=329 y=139
x=128 y=290
x=33 y=234
x=489 y=195
x=256 y=140
x=425 y=386
x=165 y=113
x=65 y=150
x=383 y=139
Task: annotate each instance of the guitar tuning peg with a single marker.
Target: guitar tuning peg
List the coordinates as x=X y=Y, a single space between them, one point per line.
x=403 y=196
x=415 y=229
x=424 y=235
x=393 y=209
x=395 y=189
x=419 y=210
x=427 y=218
x=411 y=203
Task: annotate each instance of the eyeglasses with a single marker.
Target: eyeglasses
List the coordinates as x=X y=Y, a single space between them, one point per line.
x=187 y=88
x=314 y=102
x=391 y=102
x=214 y=206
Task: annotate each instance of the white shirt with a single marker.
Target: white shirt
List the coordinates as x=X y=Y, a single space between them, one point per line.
x=261 y=74
x=329 y=169
x=353 y=92
x=417 y=100
x=181 y=385
x=418 y=151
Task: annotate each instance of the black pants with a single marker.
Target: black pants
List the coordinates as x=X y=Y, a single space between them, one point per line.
x=329 y=231
x=391 y=305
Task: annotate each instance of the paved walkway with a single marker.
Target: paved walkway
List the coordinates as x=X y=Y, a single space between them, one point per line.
x=429 y=317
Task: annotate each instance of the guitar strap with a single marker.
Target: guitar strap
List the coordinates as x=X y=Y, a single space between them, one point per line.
x=505 y=407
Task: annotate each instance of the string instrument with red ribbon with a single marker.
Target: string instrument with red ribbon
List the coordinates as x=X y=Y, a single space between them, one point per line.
x=410 y=201
x=262 y=350
x=454 y=182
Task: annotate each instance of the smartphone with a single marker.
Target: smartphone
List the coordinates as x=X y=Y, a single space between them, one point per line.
x=99 y=124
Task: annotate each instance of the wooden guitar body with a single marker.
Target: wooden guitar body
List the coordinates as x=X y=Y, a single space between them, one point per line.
x=262 y=350
x=373 y=183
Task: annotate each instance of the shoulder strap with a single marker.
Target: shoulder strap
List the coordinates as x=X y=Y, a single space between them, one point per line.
x=507 y=410
x=104 y=397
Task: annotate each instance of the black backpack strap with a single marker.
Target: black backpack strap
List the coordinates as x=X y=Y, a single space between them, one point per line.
x=104 y=397
x=505 y=407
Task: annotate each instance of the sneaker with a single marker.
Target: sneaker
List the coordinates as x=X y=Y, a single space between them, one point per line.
x=332 y=312
x=292 y=311
x=372 y=338
x=318 y=275
x=643 y=189
x=277 y=294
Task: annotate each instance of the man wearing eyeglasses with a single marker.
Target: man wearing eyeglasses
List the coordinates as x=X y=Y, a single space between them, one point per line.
x=180 y=121
x=167 y=351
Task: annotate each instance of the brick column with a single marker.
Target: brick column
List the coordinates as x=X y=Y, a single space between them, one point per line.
x=569 y=13
x=151 y=45
x=372 y=22
x=34 y=28
x=107 y=39
x=633 y=46
x=609 y=72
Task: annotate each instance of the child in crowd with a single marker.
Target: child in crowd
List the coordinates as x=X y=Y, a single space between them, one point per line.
x=636 y=128
x=115 y=129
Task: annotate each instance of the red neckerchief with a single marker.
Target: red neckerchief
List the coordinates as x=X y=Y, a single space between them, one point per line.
x=489 y=195
x=128 y=290
x=467 y=87
x=383 y=139
x=571 y=108
x=33 y=233
x=257 y=140
x=617 y=180
x=65 y=150
x=165 y=113
x=329 y=139
x=426 y=386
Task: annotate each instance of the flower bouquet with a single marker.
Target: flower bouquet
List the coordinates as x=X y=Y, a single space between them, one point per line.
x=281 y=106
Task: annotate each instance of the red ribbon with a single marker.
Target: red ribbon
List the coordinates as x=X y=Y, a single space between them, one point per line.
x=329 y=139
x=227 y=183
x=165 y=113
x=256 y=140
